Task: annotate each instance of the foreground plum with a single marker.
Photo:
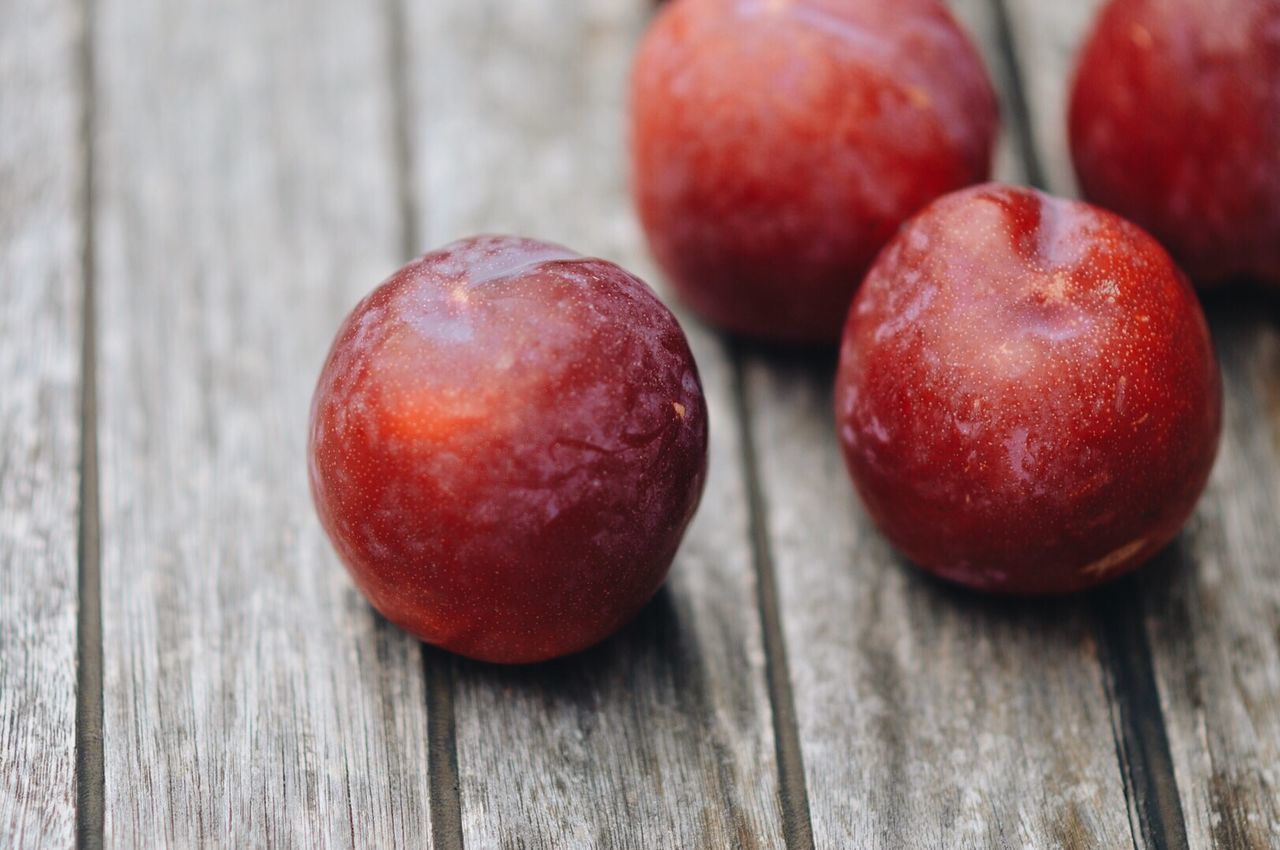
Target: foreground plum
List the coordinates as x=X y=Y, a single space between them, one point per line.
x=507 y=442
x=1027 y=397
x=776 y=145
x=1175 y=124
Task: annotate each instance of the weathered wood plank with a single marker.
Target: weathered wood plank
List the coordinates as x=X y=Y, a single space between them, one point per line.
x=661 y=737
x=1212 y=612
x=1214 y=619
x=246 y=198
x=41 y=233
x=928 y=716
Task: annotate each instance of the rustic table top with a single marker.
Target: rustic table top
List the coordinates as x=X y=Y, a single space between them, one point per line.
x=193 y=193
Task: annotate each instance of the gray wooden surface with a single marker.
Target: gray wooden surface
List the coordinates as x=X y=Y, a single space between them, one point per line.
x=245 y=198
x=40 y=304
x=225 y=179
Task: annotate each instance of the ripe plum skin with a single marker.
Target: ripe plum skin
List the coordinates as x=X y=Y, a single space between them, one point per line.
x=776 y=145
x=1027 y=397
x=1175 y=124
x=507 y=443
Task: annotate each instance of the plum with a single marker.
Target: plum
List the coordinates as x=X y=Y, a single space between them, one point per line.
x=776 y=145
x=1175 y=124
x=1027 y=397
x=507 y=443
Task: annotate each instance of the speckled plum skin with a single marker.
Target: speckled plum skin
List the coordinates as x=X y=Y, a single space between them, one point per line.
x=776 y=145
x=1175 y=124
x=1027 y=397
x=507 y=443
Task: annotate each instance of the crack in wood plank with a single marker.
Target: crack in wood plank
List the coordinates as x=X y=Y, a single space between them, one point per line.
x=90 y=766
x=797 y=822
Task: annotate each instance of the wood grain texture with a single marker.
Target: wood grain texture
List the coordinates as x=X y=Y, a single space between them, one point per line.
x=928 y=716
x=246 y=198
x=41 y=231
x=662 y=736
x=1211 y=604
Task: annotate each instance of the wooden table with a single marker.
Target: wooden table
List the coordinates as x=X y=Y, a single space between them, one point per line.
x=194 y=192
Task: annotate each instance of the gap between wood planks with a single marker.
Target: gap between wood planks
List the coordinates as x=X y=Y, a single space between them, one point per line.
x=1137 y=720
x=797 y=823
x=90 y=767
